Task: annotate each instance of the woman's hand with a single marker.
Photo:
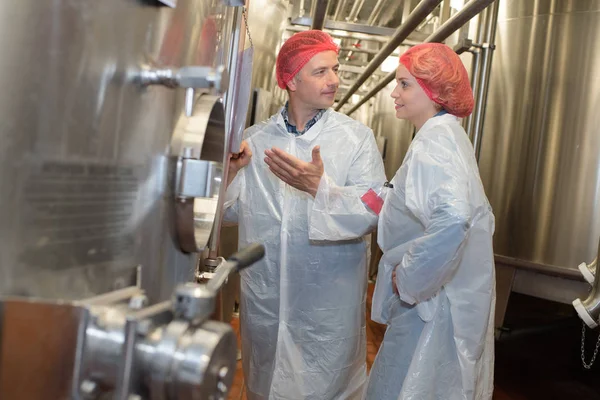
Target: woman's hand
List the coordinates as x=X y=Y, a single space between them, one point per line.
x=394 y=287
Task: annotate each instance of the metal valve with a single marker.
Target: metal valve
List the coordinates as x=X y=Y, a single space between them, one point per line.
x=589 y=309
x=189 y=78
x=588 y=271
x=167 y=351
x=195 y=302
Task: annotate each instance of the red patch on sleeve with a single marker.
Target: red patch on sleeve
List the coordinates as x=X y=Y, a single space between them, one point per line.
x=372 y=201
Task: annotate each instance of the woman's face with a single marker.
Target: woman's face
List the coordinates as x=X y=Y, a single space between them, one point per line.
x=410 y=100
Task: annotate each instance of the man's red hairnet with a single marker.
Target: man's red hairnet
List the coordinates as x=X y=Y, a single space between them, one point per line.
x=442 y=75
x=298 y=50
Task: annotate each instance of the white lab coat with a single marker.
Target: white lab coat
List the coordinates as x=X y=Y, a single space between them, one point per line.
x=436 y=229
x=303 y=306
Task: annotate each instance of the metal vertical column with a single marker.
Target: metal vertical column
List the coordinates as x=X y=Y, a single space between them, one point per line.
x=487 y=50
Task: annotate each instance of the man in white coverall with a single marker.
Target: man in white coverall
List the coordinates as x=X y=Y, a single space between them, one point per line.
x=303 y=306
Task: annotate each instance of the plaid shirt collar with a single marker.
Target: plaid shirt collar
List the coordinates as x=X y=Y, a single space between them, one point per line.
x=292 y=128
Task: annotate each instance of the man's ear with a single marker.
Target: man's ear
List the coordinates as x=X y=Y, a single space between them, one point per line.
x=292 y=84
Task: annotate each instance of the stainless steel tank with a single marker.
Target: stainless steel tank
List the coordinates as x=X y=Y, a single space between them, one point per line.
x=267 y=21
x=541 y=144
x=113 y=142
x=86 y=176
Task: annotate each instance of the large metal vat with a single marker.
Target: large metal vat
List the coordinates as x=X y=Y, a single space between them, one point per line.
x=541 y=148
x=113 y=142
x=85 y=174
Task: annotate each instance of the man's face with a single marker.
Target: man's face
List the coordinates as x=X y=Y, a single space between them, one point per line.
x=317 y=82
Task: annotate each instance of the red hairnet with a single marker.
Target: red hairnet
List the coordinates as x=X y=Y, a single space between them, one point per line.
x=298 y=50
x=442 y=75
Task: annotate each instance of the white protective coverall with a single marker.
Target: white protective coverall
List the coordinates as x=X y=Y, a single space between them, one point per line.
x=303 y=306
x=436 y=229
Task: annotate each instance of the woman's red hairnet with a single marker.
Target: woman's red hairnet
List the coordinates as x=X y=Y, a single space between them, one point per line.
x=298 y=50
x=442 y=75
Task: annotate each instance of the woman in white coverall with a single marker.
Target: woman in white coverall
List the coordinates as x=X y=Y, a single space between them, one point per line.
x=302 y=311
x=435 y=287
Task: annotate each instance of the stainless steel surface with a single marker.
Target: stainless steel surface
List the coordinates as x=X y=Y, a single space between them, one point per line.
x=414 y=19
x=198 y=144
x=105 y=337
x=86 y=175
x=150 y=354
x=266 y=20
x=164 y=352
x=194 y=302
x=241 y=101
x=548 y=287
x=197 y=179
x=541 y=148
x=318 y=13
x=206 y=363
x=550 y=270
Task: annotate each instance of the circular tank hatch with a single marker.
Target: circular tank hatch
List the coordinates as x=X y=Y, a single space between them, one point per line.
x=198 y=144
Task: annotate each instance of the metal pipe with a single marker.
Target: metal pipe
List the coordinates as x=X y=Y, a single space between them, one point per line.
x=475 y=78
x=487 y=51
x=445 y=11
x=458 y=20
x=319 y=13
x=414 y=19
x=444 y=31
x=339 y=9
x=476 y=71
x=376 y=11
x=356 y=8
x=589 y=309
